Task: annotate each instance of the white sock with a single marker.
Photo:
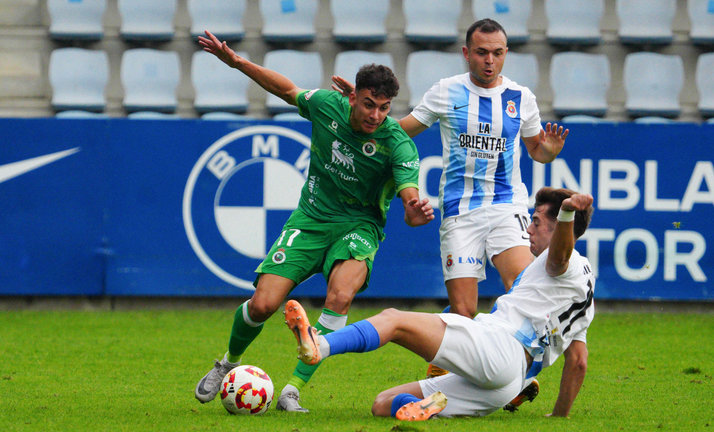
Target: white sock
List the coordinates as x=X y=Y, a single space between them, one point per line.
x=324 y=346
x=289 y=388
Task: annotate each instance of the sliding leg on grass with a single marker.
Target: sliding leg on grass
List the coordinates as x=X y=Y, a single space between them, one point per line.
x=420 y=333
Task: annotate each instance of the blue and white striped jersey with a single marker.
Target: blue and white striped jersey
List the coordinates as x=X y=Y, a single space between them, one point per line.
x=480 y=134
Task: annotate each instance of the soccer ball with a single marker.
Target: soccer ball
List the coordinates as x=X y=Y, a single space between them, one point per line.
x=247 y=390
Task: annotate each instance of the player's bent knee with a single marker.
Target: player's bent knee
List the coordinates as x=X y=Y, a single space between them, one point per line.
x=261 y=310
x=382 y=406
x=467 y=310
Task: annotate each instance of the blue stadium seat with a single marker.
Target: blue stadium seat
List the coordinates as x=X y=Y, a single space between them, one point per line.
x=78 y=77
x=76 y=20
x=150 y=78
x=152 y=115
x=701 y=15
x=653 y=83
x=428 y=21
x=704 y=77
x=574 y=21
x=223 y=18
x=646 y=21
x=302 y=68
x=425 y=68
x=288 y=20
x=580 y=82
x=80 y=114
x=218 y=87
x=222 y=115
x=513 y=15
x=151 y=20
x=653 y=120
x=522 y=68
x=289 y=116
x=359 y=21
x=347 y=63
x=580 y=118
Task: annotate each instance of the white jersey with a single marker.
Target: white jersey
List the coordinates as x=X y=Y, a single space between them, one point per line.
x=480 y=135
x=547 y=313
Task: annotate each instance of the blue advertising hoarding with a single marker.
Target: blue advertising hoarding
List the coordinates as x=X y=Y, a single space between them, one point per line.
x=189 y=208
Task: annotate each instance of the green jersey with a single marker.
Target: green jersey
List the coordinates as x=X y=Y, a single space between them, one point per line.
x=353 y=175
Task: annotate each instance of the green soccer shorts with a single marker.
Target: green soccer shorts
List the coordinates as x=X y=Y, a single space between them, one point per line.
x=306 y=246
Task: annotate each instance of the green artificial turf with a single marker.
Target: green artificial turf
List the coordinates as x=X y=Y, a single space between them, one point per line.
x=136 y=371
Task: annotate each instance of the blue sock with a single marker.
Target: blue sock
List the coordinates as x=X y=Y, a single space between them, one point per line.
x=400 y=400
x=357 y=337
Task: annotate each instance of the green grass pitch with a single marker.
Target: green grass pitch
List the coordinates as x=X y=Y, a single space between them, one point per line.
x=136 y=370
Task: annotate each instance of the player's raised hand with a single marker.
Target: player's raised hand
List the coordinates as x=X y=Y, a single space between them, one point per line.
x=211 y=44
x=577 y=202
x=342 y=85
x=554 y=137
x=417 y=213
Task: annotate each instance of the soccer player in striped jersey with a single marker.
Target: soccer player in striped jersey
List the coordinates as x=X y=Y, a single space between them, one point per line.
x=482 y=116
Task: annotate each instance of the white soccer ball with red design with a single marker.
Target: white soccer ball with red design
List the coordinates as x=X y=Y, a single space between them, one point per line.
x=247 y=390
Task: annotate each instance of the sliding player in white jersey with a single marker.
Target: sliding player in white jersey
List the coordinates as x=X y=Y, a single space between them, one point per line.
x=495 y=355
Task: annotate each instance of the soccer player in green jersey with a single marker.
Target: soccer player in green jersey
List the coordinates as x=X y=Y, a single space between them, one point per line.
x=359 y=160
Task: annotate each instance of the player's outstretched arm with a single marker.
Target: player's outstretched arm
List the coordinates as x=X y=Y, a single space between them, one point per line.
x=546 y=146
x=272 y=81
x=416 y=212
x=563 y=240
x=574 y=369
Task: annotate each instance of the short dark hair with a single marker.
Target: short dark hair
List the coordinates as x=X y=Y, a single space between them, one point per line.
x=379 y=79
x=486 y=25
x=554 y=198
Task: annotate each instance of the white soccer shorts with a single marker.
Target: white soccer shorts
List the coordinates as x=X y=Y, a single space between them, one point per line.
x=488 y=367
x=469 y=239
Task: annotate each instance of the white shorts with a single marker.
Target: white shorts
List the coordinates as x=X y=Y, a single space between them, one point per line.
x=469 y=239
x=487 y=365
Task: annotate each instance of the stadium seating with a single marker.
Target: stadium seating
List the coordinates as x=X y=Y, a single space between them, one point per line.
x=289 y=116
x=580 y=82
x=513 y=15
x=80 y=114
x=347 y=63
x=78 y=78
x=653 y=83
x=152 y=115
x=428 y=21
x=151 y=20
x=581 y=118
x=150 y=78
x=424 y=68
x=359 y=21
x=704 y=77
x=302 y=68
x=522 y=68
x=288 y=20
x=223 y=18
x=574 y=21
x=218 y=87
x=222 y=115
x=76 y=20
x=701 y=15
x=653 y=120
x=646 y=21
